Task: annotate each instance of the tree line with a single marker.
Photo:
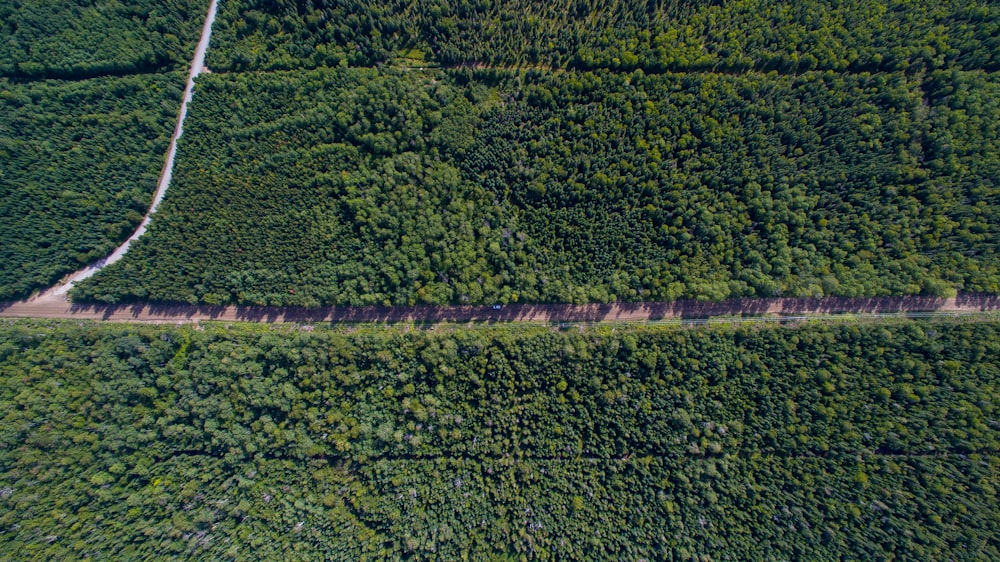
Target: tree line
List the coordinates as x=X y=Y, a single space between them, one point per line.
x=674 y=35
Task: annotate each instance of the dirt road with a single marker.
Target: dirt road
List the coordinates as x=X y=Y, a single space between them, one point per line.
x=51 y=306
x=197 y=66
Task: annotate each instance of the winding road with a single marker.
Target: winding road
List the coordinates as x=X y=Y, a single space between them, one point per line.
x=197 y=66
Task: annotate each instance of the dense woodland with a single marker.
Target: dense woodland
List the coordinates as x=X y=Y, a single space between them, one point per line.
x=732 y=35
x=357 y=186
x=79 y=159
x=78 y=166
x=643 y=151
x=86 y=38
x=250 y=442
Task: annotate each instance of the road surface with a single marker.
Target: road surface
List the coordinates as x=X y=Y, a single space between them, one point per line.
x=54 y=306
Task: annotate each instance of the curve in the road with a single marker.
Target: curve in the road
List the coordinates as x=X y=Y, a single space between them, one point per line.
x=737 y=309
x=197 y=65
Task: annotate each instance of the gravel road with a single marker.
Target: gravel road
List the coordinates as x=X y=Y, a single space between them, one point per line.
x=54 y=306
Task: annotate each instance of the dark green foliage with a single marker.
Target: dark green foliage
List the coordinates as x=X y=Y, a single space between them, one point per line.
x=251 y=442
x=85 y=38
x=359 y=187
x=963 y=155
x=79 y=161
x=612 y=34
x=761 y=508
x=78 y=165
x=319 y=188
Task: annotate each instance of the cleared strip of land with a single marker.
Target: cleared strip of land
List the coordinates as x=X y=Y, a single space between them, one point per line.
x=52 y=307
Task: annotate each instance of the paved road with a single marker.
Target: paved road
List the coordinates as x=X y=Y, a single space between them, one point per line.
x=51 y=306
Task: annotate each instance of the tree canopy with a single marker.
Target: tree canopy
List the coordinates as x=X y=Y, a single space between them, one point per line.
x=86 y=38
x=79 y=162
x=676 y=35
x=364 y=186
x=247 y=442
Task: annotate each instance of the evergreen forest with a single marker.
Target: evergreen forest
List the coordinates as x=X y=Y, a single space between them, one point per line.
x=79 y=161
x=350 y=152
x=74 y=39
x=656 y=36
x=365 y=186
x=263 y=442
x=89 y=95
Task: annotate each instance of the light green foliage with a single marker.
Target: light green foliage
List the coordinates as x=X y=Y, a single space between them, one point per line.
x=251 y=443
x=357 y=186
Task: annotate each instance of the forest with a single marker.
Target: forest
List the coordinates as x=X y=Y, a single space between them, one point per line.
x=870 y=441
x=498 y=151
x=656 y=36
x=392 y=187
x=89 y=94
x=73 y=39
x=79 y=163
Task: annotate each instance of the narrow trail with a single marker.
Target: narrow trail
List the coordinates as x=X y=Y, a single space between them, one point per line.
x=197 y=66
x=737 y=310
